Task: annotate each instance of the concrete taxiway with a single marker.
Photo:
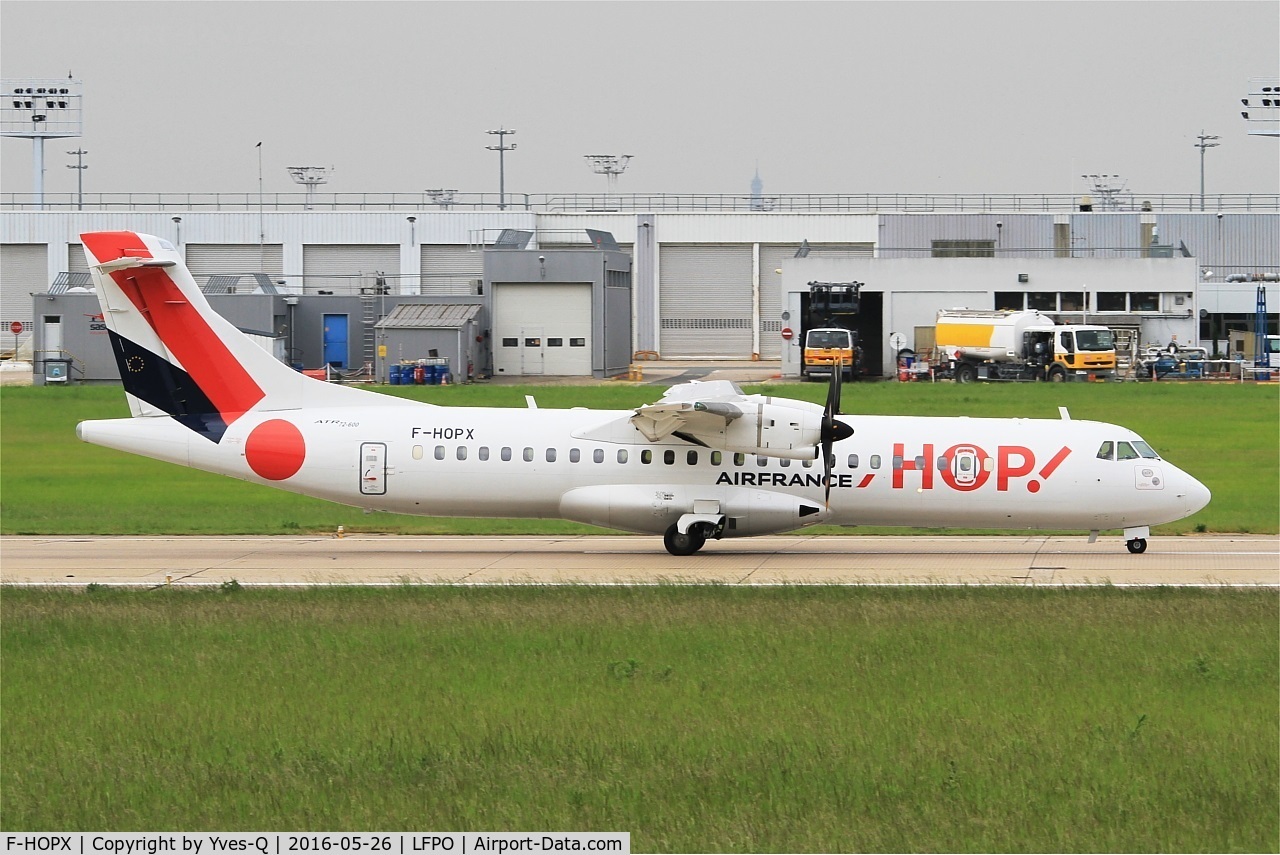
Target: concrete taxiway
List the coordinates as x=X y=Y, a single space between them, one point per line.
x=1201 y=560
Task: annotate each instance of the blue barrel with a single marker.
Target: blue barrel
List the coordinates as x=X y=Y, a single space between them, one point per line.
x=393 y=375
x=433 y=375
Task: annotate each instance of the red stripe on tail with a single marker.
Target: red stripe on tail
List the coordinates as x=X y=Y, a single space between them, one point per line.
x=179 y=325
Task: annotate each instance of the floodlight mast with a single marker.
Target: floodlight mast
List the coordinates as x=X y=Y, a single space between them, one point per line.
x=309 y=177
x=610 y=166
x=501 y=149
x=1202 y=145
x=41 y=109
x=1108 y=188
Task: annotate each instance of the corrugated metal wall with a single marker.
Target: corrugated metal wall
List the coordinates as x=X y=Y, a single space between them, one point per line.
x=912 y=235
x=1104 y=235
x=1230 y=243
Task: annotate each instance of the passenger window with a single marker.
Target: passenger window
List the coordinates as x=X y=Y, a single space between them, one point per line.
x=506 y=453
x=669 y=456
x=551 y=455
x=807 y=464
x=1107 y=451
x=1125 y=451
x=853 y=461
x=989 y=464
x=417 y=452
x=761 y=460
x=439 y=452
x=622 y=455
x=875 y=461
x=462 y=452
x=897 y=461
x=784 y=462
x=739 y=458
x=574 y=455
x=598 y=455
x=528 y=455
x=691 y=458
x=942 y=464
x=716 y=458
x=646 y=456
x=483 y=453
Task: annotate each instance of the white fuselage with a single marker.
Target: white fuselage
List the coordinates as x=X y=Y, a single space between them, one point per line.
x=594 y=466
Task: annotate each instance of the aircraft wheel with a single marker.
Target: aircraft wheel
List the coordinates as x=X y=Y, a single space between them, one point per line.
x=682 y=544
x=1138 y=545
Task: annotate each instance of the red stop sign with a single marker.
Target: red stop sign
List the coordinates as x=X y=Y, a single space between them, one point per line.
x=786 y=333
x=15 y=327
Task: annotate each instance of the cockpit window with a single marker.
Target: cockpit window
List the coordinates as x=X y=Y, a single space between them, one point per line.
x=1107 y=451
x=1145 y=450
x=1125 y=451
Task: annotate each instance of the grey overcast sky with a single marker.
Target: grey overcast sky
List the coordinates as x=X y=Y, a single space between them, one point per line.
x=826 y=97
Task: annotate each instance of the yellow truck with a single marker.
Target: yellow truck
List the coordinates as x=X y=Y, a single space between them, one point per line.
x=826 y=347
x=1022 y=345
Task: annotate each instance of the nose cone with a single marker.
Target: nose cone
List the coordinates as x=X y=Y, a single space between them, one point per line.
x=1197 y=495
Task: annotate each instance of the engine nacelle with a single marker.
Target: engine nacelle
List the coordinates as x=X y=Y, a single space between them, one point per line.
x=653 y=508
x=792 y=429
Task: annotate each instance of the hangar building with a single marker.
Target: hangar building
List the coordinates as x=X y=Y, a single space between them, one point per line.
x=704 y=277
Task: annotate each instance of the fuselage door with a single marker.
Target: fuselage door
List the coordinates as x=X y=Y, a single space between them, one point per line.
x=964 y=465
x=373 y=468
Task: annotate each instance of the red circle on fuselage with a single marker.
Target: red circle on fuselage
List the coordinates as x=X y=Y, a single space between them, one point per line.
x=275 y=450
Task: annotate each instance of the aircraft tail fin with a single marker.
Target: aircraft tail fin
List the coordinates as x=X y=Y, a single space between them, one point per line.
x=176 y=355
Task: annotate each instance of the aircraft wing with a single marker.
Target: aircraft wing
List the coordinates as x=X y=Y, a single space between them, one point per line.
x=660 y=420
x=717 y=414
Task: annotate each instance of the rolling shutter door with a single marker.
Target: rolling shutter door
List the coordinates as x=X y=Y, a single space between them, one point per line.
x=705 y=301
x=76 y=262
x=345 y=269
x=24 y=269
x=451 y=270
x=206 y=259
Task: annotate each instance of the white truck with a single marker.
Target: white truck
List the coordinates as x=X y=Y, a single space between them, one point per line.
x=1022 y=345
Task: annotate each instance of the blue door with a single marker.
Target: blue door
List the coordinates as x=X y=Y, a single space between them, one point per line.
x=335 y=340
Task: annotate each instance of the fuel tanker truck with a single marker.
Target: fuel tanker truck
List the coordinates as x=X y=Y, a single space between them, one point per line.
x=1022 y=345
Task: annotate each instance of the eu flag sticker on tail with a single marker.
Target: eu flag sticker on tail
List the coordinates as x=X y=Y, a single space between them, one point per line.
x=166 y=387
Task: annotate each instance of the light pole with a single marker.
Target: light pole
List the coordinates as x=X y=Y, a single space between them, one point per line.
x=80 y=166
x=1202 y=145
x=501 y=149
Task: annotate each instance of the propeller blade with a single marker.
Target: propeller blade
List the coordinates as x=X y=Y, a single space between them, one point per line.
x=831 y=427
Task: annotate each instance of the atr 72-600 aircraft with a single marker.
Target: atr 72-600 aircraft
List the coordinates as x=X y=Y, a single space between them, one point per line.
x=704 y=462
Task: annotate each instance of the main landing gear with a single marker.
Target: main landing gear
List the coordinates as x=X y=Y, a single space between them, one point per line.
x=1137 y=545
x=683 y=544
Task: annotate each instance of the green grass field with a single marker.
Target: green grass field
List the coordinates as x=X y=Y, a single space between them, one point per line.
x=699 y=719
x=1228 y=436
